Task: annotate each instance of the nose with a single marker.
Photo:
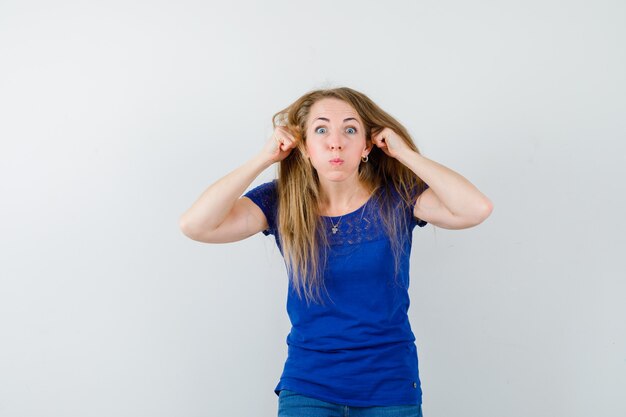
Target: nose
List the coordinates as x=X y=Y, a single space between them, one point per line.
x=335 y=142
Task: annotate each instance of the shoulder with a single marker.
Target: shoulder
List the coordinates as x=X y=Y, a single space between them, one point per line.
x=265 y=188
x=265 y=196
x=403 y=201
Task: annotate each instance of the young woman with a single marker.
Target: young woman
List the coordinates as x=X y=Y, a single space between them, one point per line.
x=351 y=187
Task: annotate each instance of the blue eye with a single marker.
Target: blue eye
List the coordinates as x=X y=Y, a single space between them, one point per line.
x=317 y=130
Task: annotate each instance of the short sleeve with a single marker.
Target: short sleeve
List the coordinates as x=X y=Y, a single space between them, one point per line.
x=266 y=197
x=420 y=222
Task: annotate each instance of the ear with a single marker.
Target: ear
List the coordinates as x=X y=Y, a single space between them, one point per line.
x=368 y=148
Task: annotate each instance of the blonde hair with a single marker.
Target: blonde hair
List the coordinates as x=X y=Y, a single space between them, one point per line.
x=303 y=241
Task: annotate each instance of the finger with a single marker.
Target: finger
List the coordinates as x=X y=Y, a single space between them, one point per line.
x=287 y=144
x=284 y=132
x=277 y=144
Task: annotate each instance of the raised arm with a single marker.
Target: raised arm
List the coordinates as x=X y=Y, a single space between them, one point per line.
x=451 y=201
x=220 y=214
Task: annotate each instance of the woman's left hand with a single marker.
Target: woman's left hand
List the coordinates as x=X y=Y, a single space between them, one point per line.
x=390 y=143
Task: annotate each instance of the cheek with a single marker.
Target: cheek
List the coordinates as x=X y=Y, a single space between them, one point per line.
x=312 y=150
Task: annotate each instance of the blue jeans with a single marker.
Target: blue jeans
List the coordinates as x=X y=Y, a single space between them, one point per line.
x=292 y=404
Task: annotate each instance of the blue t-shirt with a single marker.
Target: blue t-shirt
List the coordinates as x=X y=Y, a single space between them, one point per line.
x=358 y=348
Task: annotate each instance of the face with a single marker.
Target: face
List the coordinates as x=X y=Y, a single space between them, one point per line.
x=335 y=139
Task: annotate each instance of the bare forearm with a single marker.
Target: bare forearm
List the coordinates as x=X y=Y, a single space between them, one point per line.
x=459 y=195
x=214 y=204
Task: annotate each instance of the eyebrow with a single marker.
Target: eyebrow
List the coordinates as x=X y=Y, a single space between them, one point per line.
x=344 y=120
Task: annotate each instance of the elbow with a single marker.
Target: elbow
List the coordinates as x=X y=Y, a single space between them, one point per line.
x=184 y=227
x=196 y=233
x=485 y=211
x=479 y=214
x=488 y=207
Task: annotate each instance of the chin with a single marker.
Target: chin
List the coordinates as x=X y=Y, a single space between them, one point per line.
x=334 y=176
x=337 y=174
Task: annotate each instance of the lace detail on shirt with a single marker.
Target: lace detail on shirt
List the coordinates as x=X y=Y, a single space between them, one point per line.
x=356 y=227
x=362 y=225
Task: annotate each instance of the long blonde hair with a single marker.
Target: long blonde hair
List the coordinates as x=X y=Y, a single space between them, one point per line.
x=304 y=244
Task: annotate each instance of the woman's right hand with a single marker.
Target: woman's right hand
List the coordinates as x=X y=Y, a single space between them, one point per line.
x=279 y=145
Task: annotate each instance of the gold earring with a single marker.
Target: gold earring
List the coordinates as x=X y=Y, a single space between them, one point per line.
x=365 y=158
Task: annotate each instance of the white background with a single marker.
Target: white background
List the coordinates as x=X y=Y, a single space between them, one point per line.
x=116 y=115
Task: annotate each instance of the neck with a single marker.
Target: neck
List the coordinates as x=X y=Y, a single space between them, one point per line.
x=340 y=197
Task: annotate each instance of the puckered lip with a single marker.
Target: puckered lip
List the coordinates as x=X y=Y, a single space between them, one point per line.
x=336 y=160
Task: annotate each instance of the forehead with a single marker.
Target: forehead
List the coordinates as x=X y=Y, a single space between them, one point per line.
x=334 y=109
